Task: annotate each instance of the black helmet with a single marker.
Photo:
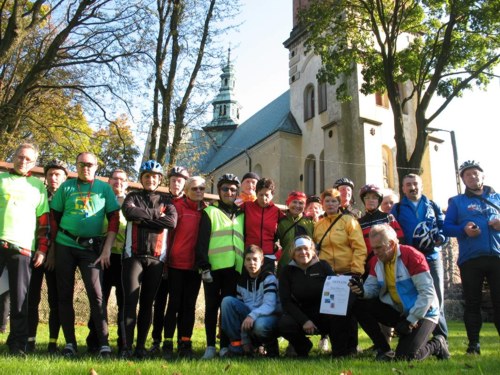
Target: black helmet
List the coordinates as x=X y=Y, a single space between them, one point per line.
x=371 y=188
x=151 y=166
x=178 y=171
x=228 y=178
x=313 y=199
x=343 y=181
x=468 y=164
x=55 y=163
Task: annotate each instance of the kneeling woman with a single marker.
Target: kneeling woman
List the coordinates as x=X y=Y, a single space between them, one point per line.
x=301 y=286
x=149 y=215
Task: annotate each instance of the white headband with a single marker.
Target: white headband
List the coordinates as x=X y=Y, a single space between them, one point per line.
x=302 y=241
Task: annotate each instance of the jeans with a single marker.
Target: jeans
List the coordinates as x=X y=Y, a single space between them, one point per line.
x=437 y=273
x=234 y=311
x=473 y=272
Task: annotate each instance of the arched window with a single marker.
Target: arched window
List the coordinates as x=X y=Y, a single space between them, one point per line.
x=257 y=169
x=310 y=175
x=309 y=102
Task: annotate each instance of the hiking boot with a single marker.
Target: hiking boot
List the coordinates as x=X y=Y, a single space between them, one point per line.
x=69 y=351
x=140 y=353
x=383 y=356
x=52 y=348
x=168 y=350
x=442 y=351
x=185 y=349
x=30 y=346
x=105 y=352
x=210 y=353
x=155 y=349
x=474 y=348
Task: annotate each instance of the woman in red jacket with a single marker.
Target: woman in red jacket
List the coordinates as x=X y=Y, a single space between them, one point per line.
x=184 y=279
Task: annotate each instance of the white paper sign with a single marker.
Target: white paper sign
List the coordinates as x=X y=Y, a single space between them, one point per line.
x=335 y=297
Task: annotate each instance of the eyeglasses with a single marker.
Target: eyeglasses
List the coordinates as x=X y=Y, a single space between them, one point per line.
x=226 y=189
x=198 y=188
x=82 y=164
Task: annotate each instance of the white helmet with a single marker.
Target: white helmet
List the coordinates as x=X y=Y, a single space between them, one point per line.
x=423 y=237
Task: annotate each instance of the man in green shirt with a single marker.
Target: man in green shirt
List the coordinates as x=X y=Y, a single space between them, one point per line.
x=79 y=208
x=24 y=225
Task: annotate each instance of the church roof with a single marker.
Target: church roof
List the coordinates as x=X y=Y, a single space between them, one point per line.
x=275 y=116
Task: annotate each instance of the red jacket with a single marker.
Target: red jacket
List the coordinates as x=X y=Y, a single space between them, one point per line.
x=261 y=225
x=181 y=253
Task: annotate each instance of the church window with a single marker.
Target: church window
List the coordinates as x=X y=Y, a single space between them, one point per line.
x=322 y=98
x=309 y=102
x=310 y=175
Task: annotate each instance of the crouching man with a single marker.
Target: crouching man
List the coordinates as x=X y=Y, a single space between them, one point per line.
x=399 y=292
x=251 y=318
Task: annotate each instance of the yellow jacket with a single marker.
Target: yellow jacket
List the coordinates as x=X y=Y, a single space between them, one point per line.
x=343 y=247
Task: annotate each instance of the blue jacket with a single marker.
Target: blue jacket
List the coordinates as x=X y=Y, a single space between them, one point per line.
x=414 y=286
x=259 y=294
x=468 y=207
x=426 y=212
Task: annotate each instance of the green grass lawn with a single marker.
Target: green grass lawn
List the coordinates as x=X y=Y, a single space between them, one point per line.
x=41 y=363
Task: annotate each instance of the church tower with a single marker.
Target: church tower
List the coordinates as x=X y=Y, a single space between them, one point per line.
x=226 y=109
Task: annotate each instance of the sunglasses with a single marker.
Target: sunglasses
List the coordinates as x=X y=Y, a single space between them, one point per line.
x=226 y=189
x=82 y=164
x=198 y=188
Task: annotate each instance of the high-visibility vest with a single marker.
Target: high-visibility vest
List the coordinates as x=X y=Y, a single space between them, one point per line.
x=226 y=245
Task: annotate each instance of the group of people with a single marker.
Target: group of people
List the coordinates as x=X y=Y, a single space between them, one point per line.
x=263 y=269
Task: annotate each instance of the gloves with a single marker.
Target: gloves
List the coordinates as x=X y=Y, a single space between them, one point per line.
x=357 y=282
x=404 y=328
x=206 y=276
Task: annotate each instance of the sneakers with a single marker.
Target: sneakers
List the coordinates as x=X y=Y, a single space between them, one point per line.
x=125 y=353
x=185 y=349
x=272 y=349
x=442 y=352
x=384 y=356
x=473 y=348
x=105 y=352
x=69 y=351
x=155 y=348
x=30 y=347
x=323 y=345
x=224 y=352
x=210 y=353
x=290 y=351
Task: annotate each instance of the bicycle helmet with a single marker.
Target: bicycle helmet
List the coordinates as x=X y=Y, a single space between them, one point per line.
x=343 y=181
x=178 y=171
x=313 y=199
x=55 y=163
x=151 y=166
x=228 y=178
x=371 y=188
x=469 y=164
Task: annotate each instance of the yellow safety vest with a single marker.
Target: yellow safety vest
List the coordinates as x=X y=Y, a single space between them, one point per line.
x=226 y=245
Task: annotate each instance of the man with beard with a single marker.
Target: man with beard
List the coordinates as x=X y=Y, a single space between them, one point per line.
x=474 y=218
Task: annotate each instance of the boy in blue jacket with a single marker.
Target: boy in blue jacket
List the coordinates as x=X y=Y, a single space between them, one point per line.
x=251 y=318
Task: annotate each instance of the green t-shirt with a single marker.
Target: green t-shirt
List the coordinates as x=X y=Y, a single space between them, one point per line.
x=22 y=201
x=84 y=207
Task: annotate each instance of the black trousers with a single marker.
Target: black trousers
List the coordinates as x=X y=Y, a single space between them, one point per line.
x=473 y=273
x=67 y=260
x=35 y=296
x=112 y=277
x=140 y=280
x=183 y=292
x=19 y=268
x=4 y=310
x=338 y=328
x=416 y=345
x=224 y=284
x=159 y=307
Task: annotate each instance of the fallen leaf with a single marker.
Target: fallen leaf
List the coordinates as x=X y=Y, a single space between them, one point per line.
x=92 y=372
x=346 y=372
x=227 y=367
